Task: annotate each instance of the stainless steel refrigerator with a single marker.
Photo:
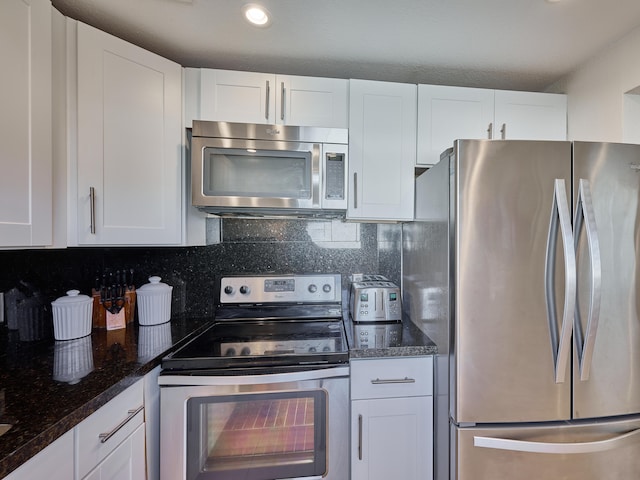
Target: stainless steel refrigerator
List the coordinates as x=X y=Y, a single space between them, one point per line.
x=523 y=266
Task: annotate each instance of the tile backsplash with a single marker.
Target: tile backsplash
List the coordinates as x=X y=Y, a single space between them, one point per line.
x=237 y=245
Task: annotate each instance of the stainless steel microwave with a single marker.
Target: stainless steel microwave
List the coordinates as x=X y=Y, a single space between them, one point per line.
x=254 y=169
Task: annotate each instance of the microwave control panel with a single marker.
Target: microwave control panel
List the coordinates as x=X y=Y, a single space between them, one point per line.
x=335 y=175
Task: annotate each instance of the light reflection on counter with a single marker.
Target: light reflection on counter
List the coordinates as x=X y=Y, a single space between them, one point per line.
x=72 y=360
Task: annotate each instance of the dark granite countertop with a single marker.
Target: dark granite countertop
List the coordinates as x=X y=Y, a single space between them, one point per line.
x=409 y=341
x=43 y=397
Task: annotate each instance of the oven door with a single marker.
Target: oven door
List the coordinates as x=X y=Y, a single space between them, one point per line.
x=230 y=173
x=256 y=427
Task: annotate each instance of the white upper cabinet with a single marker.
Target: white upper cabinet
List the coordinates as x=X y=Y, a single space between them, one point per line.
x=382 y=150
x=449 y=113
x=25 y=120
x=129 y=129
x=250 y=97
x=530 y=115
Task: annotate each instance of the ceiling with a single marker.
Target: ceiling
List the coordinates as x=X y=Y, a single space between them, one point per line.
x=505 y=44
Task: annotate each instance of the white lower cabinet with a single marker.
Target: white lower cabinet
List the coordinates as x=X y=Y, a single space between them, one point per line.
x=126 y=462
x=53 y=463
x=392 y=418
x=112 y=438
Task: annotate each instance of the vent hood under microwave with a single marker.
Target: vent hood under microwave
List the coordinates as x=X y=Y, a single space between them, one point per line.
x=265 y=170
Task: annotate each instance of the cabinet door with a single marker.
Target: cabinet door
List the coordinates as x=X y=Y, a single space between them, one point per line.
x=392 y=438
x=530 y=116
x=311 y=101
x=382 y=150
x=231 y=96
x=152 y=423
x=25 y=120
x=53 y=463
x=126 y=462
x=118 y=419
x=448 y=113
x=129 y=143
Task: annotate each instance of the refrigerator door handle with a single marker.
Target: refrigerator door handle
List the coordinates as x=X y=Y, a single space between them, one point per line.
x=585 y=343
x=560 y=218
x=554 y=448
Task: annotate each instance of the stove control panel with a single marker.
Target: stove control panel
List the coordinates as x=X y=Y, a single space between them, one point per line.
x=266 y=289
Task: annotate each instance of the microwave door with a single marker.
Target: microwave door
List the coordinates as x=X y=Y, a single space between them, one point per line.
x=258 y=174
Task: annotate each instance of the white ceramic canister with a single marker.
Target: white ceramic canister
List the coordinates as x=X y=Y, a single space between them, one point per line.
x=72 y=316
x=154 y=302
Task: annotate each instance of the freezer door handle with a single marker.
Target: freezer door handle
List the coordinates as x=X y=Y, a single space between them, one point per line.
x=554 y=448
x=560 y=219
x=585 y=342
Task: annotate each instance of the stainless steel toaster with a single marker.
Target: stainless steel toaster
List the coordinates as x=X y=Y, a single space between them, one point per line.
x=375 y=299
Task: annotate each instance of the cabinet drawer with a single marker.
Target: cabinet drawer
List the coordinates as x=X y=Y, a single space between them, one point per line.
x=394 y=377
x=120 y=417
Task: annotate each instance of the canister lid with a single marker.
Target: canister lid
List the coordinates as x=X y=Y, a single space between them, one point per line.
x=154 y=287
x=73 y=298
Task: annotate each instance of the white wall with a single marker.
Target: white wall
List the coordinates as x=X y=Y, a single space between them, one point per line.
x=596 y=92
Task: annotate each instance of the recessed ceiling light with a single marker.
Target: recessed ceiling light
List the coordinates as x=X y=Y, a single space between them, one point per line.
x=257 y=15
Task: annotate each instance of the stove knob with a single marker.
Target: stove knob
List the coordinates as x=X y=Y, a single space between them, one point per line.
x=326 y=288
x=228 y=289
x=244 y=289
x=245 y=351
x=326 y=349
x=313 y=288
x=312 y=350
x=231 y=352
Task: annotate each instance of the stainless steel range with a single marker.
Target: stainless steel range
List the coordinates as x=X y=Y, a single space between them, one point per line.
x=263 y=393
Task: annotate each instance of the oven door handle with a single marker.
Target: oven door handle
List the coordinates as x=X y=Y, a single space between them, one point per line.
x=272 y=378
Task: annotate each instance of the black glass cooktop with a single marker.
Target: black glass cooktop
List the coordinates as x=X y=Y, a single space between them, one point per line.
x=263 y=343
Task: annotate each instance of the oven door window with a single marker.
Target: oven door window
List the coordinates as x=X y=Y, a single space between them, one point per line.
x=258 y=436
x=257 y=173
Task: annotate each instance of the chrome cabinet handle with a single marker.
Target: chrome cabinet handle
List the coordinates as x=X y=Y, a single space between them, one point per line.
x=104 y=437
x=355 y=189
x=282 y=92
x=490 y=131
x=503 y=131
x=585 y=343
x=359 y=437
x=92 y=206
x=383 y=381
x=553 y=448
x=266 y=101
x=560 y=217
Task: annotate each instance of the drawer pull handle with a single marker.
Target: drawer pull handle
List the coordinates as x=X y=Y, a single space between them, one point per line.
x=104 y=437
x=383 y=381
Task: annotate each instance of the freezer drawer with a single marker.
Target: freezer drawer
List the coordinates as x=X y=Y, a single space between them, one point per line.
x=607 y=450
